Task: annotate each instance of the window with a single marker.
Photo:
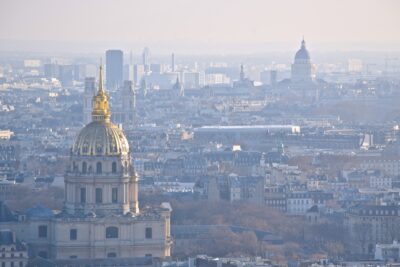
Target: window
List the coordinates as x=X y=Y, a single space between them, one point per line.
x=111 y=232
x=149 y=232
x=98 y=167
x=74 y=167
x=3 y=264
x=99 y=195
x=73 y=257
x=111 y=255
x=12 y=264
x=42 y=229
x=21 y=264
x=148 y=255
x=83 y=195
x=114 y=167
x=84 y=167
x=114 y=195
x=73 y=234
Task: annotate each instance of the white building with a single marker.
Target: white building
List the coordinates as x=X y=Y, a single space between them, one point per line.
x=380 y=182
x=387 y=252
x=302 y=69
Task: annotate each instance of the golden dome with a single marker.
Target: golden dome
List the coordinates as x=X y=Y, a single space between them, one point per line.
x=101 y=137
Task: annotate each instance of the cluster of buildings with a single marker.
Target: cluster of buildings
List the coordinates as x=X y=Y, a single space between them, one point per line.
x=202 y=131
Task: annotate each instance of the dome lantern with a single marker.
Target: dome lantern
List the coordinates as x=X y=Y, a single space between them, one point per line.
x=101 y=108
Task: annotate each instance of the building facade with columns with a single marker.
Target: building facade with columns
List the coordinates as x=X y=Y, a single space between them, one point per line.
x=101 y=216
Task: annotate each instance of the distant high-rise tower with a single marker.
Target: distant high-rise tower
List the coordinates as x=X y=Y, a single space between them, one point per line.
x=128 y=100
x=173 y=62
x=146 y=58
x=114 y=68
x=242 y=77
x=302 y=68
x=89 y=92
x=273 y=77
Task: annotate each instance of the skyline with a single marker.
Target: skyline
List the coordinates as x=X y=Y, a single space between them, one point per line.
x=200 y=27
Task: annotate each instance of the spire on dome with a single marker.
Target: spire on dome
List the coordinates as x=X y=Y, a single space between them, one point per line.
x=303 y=43
x=101 y=109
x=101 y=89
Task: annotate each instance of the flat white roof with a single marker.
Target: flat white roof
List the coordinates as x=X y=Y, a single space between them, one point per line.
x=293 y=128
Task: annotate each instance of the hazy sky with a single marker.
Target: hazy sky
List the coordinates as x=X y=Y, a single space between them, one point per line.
x=354 y=22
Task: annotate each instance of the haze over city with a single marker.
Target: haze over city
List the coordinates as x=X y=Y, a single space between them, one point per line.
x=201 y=26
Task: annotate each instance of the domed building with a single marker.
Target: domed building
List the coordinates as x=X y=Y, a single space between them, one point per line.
x=101 y=217
x=101 y=150
x=302 y=68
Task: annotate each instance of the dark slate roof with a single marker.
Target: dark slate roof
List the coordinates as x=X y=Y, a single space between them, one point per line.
x=6 y=237
x=313 y=209
x=122 y=262
x=39 y=211
x=6 y=215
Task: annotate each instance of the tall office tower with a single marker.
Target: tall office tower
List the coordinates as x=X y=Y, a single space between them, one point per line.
x=79 y=72
x=51 y=70
x=128 y=100
x=89 y=92
x=156 y=68
x=273 y=78
x=66 y=75
x=128 y=72
x=114 y=68
x=146 y=59
x=138 y=74
x=191 y=79
x=173 y=62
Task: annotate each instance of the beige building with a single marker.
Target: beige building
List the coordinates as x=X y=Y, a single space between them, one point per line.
x=369 y=225
x=101 y=217
x=13 y=253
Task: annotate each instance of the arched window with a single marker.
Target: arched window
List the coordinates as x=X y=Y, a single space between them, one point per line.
x=111 y=232
x=74 y=167
x=111 y=255
x=98 y=167
x=84 y=167
x=114 y=167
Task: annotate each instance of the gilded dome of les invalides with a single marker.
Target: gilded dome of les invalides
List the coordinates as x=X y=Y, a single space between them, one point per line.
x=100 y=137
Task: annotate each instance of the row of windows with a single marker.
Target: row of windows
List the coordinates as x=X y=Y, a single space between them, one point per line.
x=99 y=167
x=111 y=232
x=99 y=195
x=21 y=255
x=13 y=264
x=109 y=255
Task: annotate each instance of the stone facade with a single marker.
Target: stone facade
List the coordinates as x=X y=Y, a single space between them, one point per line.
x=101 y=217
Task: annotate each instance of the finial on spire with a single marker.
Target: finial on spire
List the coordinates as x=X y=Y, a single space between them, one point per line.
x=101 y=89
x=101 y=109
x=303 y=42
